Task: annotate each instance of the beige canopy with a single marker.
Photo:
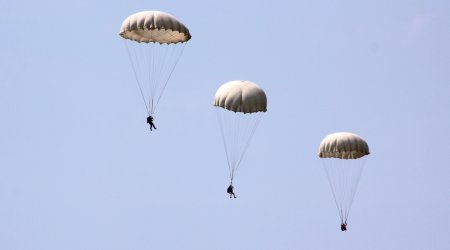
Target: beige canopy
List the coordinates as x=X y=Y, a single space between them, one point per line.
x=154 y=26
x=241 y=96
x=343 y=145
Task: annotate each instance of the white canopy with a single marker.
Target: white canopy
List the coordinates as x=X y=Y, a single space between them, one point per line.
x=154 y=26
x=343 y=145
x=241 y=96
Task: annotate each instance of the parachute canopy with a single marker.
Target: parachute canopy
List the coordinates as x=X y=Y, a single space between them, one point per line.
x=154 y=26
x=343 y=145
x=241 y=96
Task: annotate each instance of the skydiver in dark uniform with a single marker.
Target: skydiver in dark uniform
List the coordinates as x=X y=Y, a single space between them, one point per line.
x=150 y=122
x=344 y=226
x=230 y=191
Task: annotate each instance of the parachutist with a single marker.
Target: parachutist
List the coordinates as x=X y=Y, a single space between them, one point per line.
x=155 y=39
x=150 y=122
x=338 y=150
x=239 y=105
x=230 y=191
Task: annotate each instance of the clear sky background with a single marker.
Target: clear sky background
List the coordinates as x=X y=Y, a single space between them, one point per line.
x=80 y=170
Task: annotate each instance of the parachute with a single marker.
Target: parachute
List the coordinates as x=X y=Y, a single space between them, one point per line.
x=343 y=159
x=240 y=106
x=155 y=41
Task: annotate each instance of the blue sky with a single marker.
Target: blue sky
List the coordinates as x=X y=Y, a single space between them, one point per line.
x=80 y=170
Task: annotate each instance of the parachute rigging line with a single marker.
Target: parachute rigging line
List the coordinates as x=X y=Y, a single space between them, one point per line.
x=343 y=177
x=241 y=128
x=136 y=75
x=158 y=61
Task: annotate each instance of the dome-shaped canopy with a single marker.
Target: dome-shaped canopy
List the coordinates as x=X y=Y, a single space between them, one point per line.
x=154 y=26
x=343 y=145
x=241 y=96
